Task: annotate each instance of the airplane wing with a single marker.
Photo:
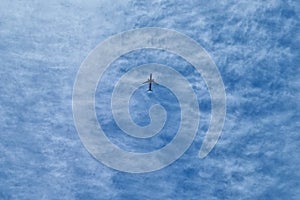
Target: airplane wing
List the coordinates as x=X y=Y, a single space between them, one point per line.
x=147 y=82
x=155 y=82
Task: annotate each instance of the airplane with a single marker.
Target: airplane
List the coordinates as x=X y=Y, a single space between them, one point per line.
x=150 y=81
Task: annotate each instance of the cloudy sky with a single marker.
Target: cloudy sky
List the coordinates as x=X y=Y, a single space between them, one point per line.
x=255 y=45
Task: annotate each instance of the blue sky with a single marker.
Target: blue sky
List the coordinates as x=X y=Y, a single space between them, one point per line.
x=255 y=45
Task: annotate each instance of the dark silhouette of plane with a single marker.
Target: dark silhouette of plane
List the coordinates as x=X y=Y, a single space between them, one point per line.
x=150 y=81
